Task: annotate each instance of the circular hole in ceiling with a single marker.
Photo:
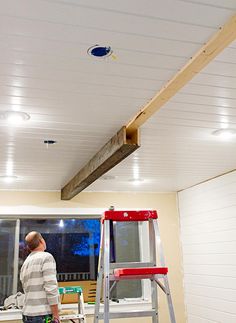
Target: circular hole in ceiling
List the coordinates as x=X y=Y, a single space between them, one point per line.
x=49 y=142
x=100 y=51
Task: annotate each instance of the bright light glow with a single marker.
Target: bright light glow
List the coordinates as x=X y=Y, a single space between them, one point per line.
x=16 y=108
x=224 y=122
x=15 y=117
x=225 y=133
x=8 y=179
x=9 y=168
x=16 y=100
x=135 y=157
x=136 y=171
x=61 y=224
x=136 y=182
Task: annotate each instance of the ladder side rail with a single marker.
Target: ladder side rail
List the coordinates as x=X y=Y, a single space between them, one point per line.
x=98 y=294
x=106 y=280
x=153 y=259
x=159 y=247
x=155 y=319
x=81 y=301
x=169 y=300
x=162 y=263
x=152 y=244
x=101 y=248
x=82 y=305
x=100 y=276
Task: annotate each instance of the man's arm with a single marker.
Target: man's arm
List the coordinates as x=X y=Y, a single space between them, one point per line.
x=50 y=285
x=55 y=313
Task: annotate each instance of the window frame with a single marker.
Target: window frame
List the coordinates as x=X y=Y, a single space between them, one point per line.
x=16 y=249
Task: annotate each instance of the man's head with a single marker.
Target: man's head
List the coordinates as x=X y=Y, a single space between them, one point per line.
x=35 y=241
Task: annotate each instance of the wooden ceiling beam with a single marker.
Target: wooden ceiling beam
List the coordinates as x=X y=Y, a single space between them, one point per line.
x=115 y=150
x=127 y=139
x=223 y=38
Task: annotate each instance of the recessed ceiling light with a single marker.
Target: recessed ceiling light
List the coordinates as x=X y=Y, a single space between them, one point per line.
x=49 y=142
x=14 y=117
x=8 y=179
x=136 y=181
x=224 y=133
x=100 y=51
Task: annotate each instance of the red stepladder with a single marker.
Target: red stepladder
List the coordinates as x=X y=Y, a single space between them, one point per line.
x=111 y=273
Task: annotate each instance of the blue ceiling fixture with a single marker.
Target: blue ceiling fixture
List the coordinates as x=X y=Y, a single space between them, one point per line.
x=99 y=51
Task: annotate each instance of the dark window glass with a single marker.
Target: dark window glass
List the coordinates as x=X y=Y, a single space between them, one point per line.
x=74 y=243
x=127 y=250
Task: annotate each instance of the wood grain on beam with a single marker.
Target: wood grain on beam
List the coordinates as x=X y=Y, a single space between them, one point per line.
x=207 y=53
x=114 y=151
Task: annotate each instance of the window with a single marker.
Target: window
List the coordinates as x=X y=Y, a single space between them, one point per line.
x=7 y=243
x=74 y=243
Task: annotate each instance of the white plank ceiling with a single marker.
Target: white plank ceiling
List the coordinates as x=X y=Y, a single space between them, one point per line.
x=81 y=101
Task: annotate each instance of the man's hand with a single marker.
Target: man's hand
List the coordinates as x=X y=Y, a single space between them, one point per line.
x=56 y=320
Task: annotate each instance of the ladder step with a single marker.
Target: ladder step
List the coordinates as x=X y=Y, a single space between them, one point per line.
x=140 y=271
x=134 y=277
x=124 y=216
x=117 y=315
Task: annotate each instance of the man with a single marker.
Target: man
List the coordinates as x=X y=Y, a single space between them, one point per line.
x=38 y=278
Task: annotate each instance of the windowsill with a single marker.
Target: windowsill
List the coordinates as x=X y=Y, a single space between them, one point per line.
x=124 y=305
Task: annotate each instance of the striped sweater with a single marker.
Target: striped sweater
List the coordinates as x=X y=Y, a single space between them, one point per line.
x=38 y=278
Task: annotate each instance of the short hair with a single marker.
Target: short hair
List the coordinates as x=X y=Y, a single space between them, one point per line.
x=33 y=240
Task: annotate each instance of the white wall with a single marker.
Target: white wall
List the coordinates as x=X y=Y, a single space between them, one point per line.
x=208 y=234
